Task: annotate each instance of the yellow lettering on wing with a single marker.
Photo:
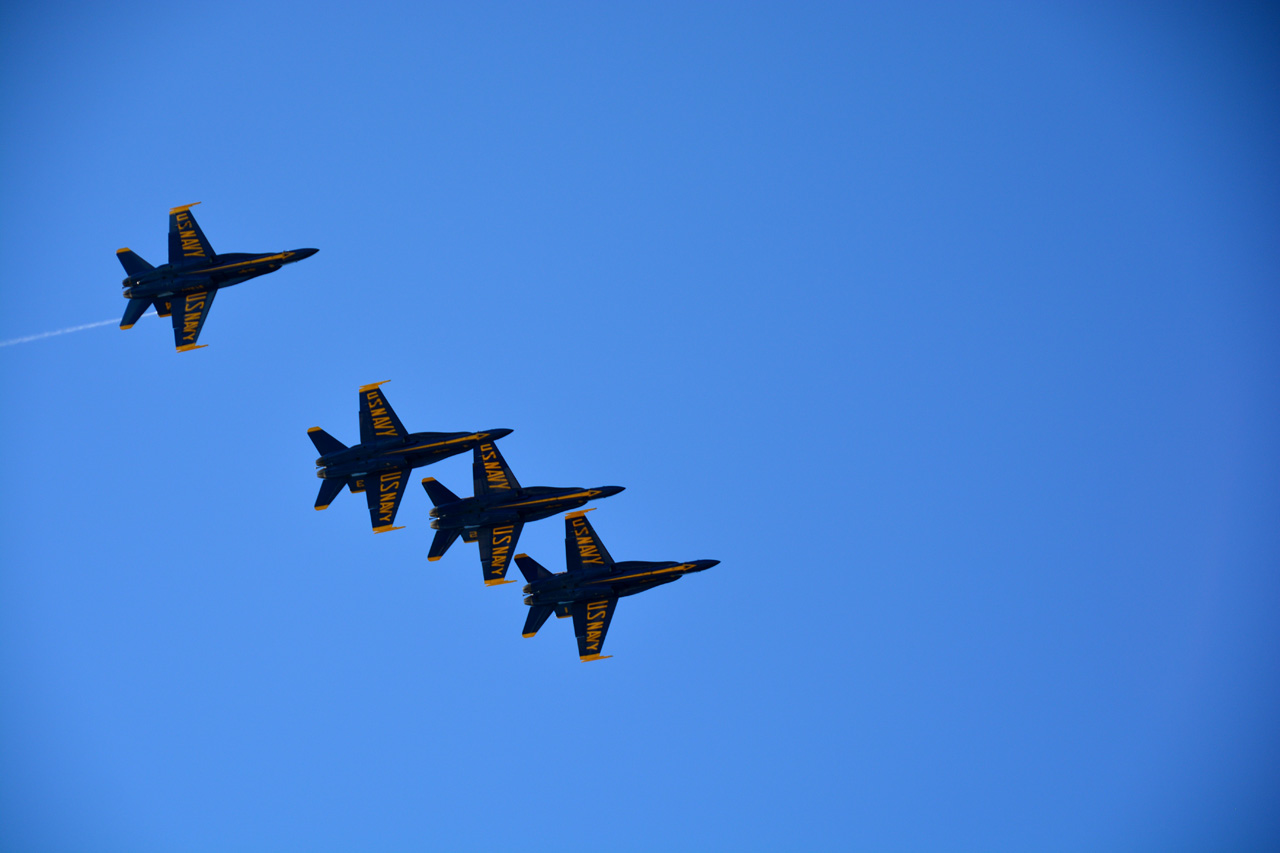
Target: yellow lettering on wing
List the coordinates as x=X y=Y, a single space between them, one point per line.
x=388 y=488
x=193 y=311
x=587 y=546
x=500 y=553
x=382 y=423
x=495 y=474
x=596 y=613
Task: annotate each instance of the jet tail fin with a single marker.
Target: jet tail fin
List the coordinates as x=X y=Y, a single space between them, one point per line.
x=538 y=615
x=444 y=538
x=438 y=493
x=324 y=442
x=531 y=568
x=135 y=309
x=328 y=491
x=133 y=265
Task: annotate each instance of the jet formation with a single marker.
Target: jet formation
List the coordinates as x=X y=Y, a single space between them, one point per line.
x=494 y=516
x=184 y=288
x=379 y=466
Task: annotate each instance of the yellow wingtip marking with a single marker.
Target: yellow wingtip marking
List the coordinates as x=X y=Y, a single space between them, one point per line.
x=428 y=479
x=189 y=347
x=313 y=429
x=364 y=388
x=580 y=513
x=586 y=658
x=433 y=559
x=496 y=583
x=529 y=635
x=122 y=251
x=518 y=556
x=326 y=506
x=174 y=210
x=387 y=528
x=130 y=326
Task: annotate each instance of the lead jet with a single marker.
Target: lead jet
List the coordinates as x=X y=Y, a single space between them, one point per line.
x=592 y=584
x=380 y=464
x=498 y=512
x=184 y=288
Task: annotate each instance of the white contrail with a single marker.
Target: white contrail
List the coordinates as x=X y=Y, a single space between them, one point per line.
x=10 y=343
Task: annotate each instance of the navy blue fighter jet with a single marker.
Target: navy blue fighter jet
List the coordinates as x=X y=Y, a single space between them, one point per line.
x=498 y=512
x=592 y=584
x=380 y=464
x=184 y=288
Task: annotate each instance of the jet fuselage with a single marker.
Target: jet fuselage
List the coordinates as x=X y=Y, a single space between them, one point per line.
x=221 y=271
x=412 y=451
x=528 y=504
x=616 y=581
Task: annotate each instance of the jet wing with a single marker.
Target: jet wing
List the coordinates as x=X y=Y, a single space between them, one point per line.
x=377 y=418
x=497 y=544
x=189 y=313
x=187 y=243
x=590 y=623
x=383 y=490
x=582 y=546
x=490 y=472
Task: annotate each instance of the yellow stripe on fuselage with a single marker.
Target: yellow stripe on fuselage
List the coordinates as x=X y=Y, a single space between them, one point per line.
x=546 y=500
x=681 y=567
x=436 y=444
x=244 y=263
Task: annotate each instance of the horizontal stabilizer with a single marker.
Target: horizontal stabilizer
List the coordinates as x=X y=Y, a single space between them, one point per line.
x=531 y=568
x=135 y=309
x=133 y=265
x=438 y=493
x=324 y=442
x=329 y=490
x=538 y=615
x=444 y=538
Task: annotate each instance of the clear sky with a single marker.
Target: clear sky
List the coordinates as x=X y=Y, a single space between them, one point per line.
x=951 y=330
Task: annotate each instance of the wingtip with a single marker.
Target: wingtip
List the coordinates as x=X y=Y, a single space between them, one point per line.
x=522 y=556
x=190 y=347
x=312 y=429
x=387 y=528
x=435 y=559
x=130 y=326
x=588 y=658
x=181 y=208
x=496 y=583
x=580 y=513
x=364 y=388
x=526 y=636
x=326 y=506
x=122 y=251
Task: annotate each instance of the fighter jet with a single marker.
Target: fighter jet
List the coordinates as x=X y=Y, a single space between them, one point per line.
x=590 y=588
x=380 y=464
x=184 y=288
x=500 y=509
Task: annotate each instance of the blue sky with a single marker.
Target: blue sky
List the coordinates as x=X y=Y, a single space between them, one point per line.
x=950 y=331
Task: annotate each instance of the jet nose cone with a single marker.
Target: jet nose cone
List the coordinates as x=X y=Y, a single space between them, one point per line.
x=302 y=254
x=703 y=565
x=495 y=434
x=610 y=491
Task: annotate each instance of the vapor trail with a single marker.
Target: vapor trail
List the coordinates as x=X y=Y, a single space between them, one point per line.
x=28 y=338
